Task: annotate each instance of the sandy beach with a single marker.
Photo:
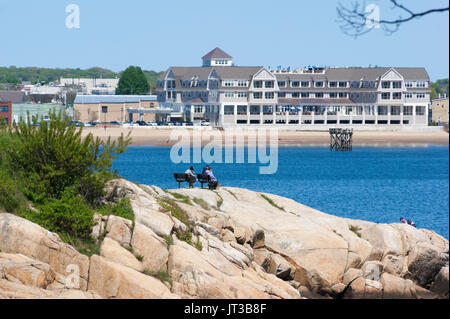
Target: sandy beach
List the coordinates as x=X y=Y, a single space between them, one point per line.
x=163 y=137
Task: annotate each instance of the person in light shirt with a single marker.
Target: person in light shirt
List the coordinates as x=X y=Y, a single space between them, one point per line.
x=191 y=176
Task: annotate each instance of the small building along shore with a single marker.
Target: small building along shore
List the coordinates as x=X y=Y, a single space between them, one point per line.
x=120 y=108
x=306 y=98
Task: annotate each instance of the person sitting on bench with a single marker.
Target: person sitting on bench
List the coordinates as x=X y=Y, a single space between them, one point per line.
x=191 y=179
x=213 y=182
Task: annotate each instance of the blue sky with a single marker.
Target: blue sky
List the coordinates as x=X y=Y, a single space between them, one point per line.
x=159 y=34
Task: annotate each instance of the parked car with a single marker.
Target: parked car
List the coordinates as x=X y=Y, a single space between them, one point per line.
x=141 y=123
x=161 y=123
x=152 y=124
x=76 y=123
x=92 y=123
x=188 y=124
x=204 y=123
x=115 y=123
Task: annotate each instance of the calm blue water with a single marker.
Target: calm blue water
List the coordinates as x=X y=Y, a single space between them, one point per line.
x=375 y=184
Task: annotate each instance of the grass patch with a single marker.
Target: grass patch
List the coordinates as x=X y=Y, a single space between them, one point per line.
x=219 y=201
x=161 y=275
x=271 y=202
x=169 y=240
x=201 y=203
x=139 y=257
x=355 y=229
x=232 y=194
x=186 y=237
x=121 y=209
x=86 y=247
x=169 y=205
x=182 y=198
x=198 y=245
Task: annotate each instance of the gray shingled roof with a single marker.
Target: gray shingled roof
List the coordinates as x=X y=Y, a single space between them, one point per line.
x=12 y=96
x=217 y=53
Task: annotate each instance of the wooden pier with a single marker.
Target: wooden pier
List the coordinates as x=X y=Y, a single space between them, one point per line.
x=341 y=139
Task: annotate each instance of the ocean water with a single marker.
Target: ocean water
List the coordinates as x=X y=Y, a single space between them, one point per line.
x=378 y=184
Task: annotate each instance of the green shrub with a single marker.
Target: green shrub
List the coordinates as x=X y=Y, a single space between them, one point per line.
x=10 y=195
x=54 y=156
x=69 y=215
x=122 y=209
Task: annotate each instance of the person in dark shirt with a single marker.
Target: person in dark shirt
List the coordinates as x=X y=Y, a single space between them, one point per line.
x=408 y=222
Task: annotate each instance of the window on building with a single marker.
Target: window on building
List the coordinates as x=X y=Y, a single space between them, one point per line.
x=269 y=95
x=421 y=84
x=420 y=110
x=228 y=110
x=229 y=94
x=305 y=84
x=333 y=95
x=257 y=95
x=408 y=84
x=268 y=109
x=386 y=84
x=408 y=110
x=4 y=108
x=342 y=95
x=420 y=95
x=198 y=109
x=242 y=94
x=269 y=84
x=242 y=83
x=305 y=95
x=104 y=109
x=395 y=110
x=257 y=84
x=255 y=110
x=342 y=84
x=397 y=95
x=319 y=95
x=382 y=110
x=295 y=84
x=295 y=95
x=318 y=84
x=386 y=96
x=332 y=84
x=397 y=84
x=408 y=95
x=282 y=94
x=242 y=110
x=282 y=84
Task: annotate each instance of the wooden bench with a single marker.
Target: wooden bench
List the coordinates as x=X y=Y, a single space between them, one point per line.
x=203 y=179
x=180 y=178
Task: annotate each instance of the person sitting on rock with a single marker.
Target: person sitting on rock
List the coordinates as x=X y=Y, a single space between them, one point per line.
x=408 y=222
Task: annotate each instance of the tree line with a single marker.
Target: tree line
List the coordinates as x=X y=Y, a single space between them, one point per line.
x=15 y=75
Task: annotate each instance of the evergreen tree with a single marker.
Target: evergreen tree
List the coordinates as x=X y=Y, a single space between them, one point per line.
x=132 y=81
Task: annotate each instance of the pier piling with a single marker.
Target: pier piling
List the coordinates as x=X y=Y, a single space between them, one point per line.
x=341 y=139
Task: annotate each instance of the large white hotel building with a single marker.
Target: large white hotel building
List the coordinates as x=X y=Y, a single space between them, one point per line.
x=305 y=98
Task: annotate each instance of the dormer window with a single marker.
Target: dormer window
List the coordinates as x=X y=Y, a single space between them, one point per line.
x=257 y=84
x=318 y=84
x=397 y=84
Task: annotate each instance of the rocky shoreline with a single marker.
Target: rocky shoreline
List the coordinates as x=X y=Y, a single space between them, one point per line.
x=229 y=243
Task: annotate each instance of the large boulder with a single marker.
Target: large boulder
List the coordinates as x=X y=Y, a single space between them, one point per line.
x=111 y=280
x=113 y=251
x=20 y=236
x=119 y=229
x=152 y=248
x=440 y=285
